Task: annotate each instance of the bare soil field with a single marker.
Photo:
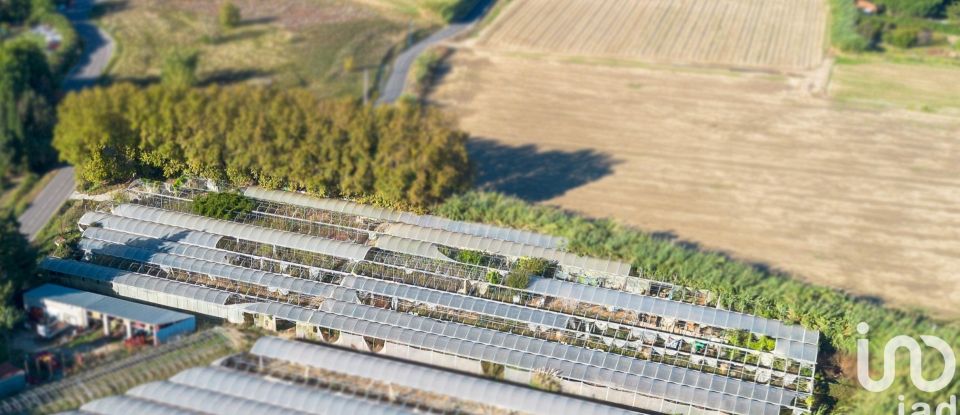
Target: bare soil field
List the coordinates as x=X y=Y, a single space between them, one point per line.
x=859 y=199
x=772 y=34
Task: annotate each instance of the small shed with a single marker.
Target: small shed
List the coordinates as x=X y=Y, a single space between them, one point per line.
x=51 y=308
x=12 y=380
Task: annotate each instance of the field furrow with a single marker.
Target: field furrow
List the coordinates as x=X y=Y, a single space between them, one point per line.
x=782 y=35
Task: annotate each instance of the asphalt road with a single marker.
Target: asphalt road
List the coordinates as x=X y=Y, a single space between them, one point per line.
x=401 y=66
x=98 y=47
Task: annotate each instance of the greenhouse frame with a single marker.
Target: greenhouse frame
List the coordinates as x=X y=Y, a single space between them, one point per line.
x=618 y=338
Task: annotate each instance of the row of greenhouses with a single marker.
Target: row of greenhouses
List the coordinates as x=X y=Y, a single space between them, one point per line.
x=516 y=319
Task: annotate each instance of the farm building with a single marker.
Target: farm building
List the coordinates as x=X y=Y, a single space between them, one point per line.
x=445 y=293
x=286 y=377
x=53 y=308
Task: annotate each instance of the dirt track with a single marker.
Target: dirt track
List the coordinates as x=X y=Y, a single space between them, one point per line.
x=866 y=201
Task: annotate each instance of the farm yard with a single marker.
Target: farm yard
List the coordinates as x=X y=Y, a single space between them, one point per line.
x=751 y=164
x=784 y=35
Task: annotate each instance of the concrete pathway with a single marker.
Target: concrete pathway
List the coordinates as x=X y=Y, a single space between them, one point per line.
x=98 y=47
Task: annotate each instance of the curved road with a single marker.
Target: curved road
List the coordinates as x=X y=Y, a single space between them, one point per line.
x=401 y=66
x=98 y=47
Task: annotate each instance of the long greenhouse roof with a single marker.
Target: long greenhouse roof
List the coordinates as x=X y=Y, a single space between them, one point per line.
x=425 y=221
x=458 y=301
x=592 y=366
x=672 y=309
x=146 y=282
x=508 y=248
x=269 y=280
x=127 y=405
x=103 y=220
x=470 y=388
x=106 y=305
x=205 y=401
x=293 y=240
x=292 y=396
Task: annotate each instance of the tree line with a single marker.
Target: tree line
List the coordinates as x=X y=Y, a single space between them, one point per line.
x=402 y=155
x=29 y=85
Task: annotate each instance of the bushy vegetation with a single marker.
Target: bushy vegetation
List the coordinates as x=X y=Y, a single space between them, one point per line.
x=470 y=257
x=223 y=205
x=17 y=262
x=180 y=69
x=524 y=269
x=741 y=286
x=953 y=12
x=27 y=94
x=545 y=380
x=844 y=33
x=913 y=8
x=425 y=69
x=493 y=370
x=743 y=338
x=403 y=155
x=903 y=37
x=451 y=10
x=229 y=15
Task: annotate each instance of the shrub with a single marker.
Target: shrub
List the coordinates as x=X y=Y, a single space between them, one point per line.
x=843 y=27
x=470 y=257
x=451 y=10
x=912 y=8
x=903 y=37
x=545 y=380
x=518 y=280
x=425 y=69
x=494 y=277
x=493 y=370
x=229 y=15
x=953 y=12
x=180 y=69
x=224 y=205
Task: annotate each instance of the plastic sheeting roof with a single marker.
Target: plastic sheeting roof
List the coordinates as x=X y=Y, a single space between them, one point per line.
x=275 y=237
x=246 y=275
x=409 y=246
x=458 y=301
x=148 y=229
x=292 y=396
x=205 y=401
x=426 y=221
x=126 y=405
x=592 y=366
x=672 y=309
x=471 y=388
x=115 y=276
x=508 y=248
x=103 y=304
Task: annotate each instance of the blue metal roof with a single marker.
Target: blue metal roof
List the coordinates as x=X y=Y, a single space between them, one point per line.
x=111 y=306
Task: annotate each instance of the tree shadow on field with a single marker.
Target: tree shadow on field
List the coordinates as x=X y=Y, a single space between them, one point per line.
x=533 y=174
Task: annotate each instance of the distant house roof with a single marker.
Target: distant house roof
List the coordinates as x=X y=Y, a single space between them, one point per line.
x=867 y=6
x=103 y=304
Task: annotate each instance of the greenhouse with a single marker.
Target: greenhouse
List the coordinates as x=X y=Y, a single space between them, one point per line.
x=657 y=346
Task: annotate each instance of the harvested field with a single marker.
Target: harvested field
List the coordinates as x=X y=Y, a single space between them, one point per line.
x=772 y=34
x=861 y=200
